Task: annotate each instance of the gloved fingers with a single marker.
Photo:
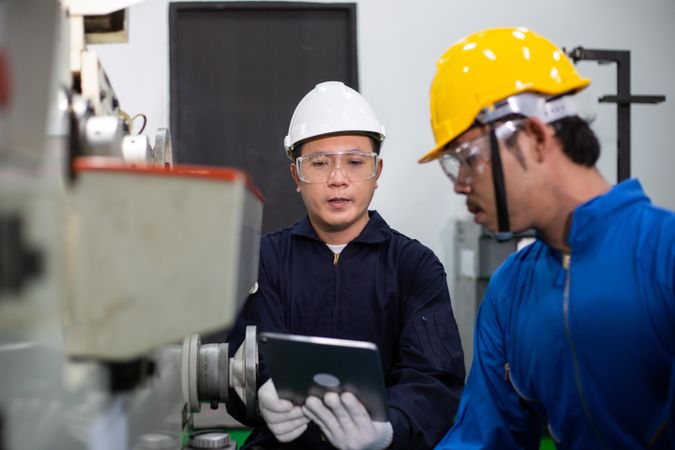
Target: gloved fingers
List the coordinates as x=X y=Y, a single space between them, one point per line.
x=272 y=416
x=269 y=400
x=324 y=418
x=292 y=434
x=315 y=419
x=356 y=411
x=278 y=406
x=268 y=390
x=287 y=425
x=342 y=415
x=289 y=430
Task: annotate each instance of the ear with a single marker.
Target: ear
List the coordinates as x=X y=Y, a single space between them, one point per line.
x=294 y=175
x=544 y=137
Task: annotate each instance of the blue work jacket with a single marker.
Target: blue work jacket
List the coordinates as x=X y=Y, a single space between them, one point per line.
x=383 y=288
x=583 y=344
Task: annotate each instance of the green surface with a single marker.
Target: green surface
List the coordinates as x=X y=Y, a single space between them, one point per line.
x=240 y=436
x=546 y=443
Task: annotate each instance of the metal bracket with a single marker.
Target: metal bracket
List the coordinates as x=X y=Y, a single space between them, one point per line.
x=623 y=99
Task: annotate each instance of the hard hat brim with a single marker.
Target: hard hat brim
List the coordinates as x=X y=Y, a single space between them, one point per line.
x=432 y=154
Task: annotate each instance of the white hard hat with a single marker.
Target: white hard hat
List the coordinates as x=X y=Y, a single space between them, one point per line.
x=331 y=107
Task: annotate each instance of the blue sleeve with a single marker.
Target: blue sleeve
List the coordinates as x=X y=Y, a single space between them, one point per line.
x=426 y=381
x=491 y=414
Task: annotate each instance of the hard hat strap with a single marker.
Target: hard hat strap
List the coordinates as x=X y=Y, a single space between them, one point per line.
x=504 y=233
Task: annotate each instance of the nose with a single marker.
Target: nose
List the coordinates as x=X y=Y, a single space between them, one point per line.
x=462 y=184
x=461 y=188
x=337 y=177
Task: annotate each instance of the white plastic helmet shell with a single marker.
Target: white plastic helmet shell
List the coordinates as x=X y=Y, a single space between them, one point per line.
x=331 y=107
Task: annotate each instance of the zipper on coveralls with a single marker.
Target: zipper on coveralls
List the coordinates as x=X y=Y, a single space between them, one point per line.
x=336 y=300
x=575 y=361
x=509 y=379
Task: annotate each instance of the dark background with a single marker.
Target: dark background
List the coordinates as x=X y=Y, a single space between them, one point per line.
x=237 y=71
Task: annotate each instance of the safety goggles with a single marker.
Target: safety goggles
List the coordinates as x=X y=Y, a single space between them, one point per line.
x=320 y=167
x=463 y=162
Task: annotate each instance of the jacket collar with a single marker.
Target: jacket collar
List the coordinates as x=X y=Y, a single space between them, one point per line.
x=600 y=213
x=375 y=232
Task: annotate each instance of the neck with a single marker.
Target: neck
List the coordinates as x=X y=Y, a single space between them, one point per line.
x=575 y=188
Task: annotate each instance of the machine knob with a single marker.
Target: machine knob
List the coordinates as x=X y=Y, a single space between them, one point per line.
x=156 y=441
x=210 y=440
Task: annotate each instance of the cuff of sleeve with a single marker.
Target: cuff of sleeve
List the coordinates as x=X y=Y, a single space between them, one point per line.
x=401 y=428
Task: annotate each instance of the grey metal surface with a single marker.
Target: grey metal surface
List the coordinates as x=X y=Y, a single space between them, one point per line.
x=251 y=371
x=477 y=256
x=31 y=41
x=213 y=373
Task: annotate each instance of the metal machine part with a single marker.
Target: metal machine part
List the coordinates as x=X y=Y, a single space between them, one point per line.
x=159 y=224
x=156 y=441
x=103 y=136
x=78 y=389
x=162 y=151
x=477 y=255
x=214 y=369
x=136 y=148
x=208 y=373
x=623 y=99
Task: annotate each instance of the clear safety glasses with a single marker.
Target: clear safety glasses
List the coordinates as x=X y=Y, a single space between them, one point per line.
x=320 y=167
x=463 y=162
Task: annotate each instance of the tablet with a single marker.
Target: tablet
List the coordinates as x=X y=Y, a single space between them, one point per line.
x=306 y=365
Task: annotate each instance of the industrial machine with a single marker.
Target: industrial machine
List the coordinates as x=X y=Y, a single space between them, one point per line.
x=477 y=255
x=112 y=258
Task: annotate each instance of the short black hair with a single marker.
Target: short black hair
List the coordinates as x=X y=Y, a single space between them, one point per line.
x=578 y=140
x=297 y=150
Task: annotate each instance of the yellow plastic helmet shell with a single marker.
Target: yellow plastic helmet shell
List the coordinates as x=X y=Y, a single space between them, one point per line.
x=487 y=67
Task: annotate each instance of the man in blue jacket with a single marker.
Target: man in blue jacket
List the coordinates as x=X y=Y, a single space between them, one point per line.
x=343 y=272
x=576 y=332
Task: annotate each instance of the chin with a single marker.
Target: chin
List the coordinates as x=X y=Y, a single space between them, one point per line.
x=339 y=225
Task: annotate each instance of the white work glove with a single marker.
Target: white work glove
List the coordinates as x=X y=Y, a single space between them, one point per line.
x=346 y=423
x=284 y=419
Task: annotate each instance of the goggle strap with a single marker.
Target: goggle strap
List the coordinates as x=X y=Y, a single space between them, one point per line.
x=530 y=104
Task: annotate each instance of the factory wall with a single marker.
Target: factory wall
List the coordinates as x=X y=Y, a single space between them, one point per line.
x=398 y=44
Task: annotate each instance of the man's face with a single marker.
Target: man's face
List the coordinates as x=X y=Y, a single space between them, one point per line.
x=339 y=203
x=474 y=176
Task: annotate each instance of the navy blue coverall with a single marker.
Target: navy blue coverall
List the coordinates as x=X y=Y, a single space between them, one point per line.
x=383 y=288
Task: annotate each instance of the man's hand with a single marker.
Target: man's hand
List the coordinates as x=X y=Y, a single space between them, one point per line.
x=285 y=420
x=346 y=423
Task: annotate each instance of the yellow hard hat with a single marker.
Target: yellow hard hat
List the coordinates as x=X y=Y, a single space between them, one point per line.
x=487 y=67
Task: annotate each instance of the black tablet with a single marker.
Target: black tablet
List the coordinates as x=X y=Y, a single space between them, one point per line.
x=306 y=365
